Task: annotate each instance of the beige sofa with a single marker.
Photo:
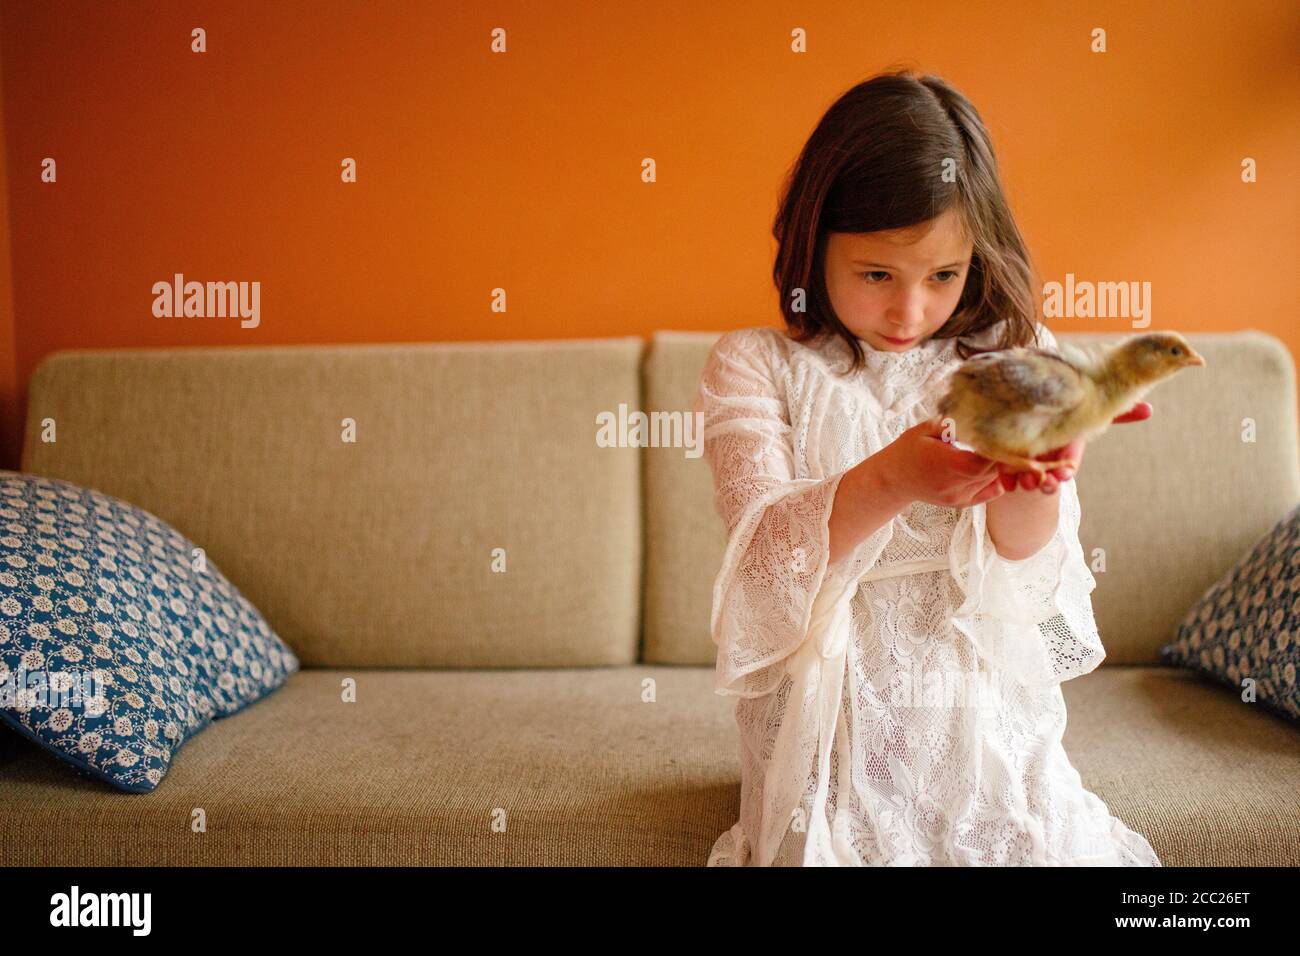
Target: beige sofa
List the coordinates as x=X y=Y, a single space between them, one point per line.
x=571 y=697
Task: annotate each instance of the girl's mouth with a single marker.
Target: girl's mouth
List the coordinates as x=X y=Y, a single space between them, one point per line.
x=899 y=341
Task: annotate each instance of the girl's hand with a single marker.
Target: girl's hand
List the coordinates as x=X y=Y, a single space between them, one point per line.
x=921 y=466
x=1012 y=479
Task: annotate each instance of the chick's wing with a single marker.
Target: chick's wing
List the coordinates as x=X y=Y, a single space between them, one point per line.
x=1026 y=380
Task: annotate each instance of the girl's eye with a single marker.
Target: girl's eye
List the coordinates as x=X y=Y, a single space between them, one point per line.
x=946 y=272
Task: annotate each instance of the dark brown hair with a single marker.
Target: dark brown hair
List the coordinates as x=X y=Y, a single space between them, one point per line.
x=876 y=162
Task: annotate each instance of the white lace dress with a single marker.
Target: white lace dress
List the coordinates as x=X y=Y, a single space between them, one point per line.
x=902 y=706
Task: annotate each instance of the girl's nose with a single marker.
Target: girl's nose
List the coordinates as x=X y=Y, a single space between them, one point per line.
x=908 y=313
x=908 y=306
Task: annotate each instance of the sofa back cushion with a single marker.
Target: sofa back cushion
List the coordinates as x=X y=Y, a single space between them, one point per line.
x=357 y=494
x=1169 y=504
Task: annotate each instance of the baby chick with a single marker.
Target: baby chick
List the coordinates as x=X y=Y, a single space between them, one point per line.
x=1012 y=404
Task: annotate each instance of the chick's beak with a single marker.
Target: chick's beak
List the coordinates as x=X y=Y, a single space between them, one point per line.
x=1194 y=358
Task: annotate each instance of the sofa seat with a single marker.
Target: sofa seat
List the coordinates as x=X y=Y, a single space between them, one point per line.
x=587 y=772
x=409 y=774
x=1209 y=780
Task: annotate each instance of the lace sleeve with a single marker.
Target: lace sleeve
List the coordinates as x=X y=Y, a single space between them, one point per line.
x=775 y=576
x=1031 y=618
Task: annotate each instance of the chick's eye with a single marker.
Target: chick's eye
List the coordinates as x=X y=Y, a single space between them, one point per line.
x=1176 y=350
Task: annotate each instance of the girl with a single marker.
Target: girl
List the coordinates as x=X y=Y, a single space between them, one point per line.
x=895 y=615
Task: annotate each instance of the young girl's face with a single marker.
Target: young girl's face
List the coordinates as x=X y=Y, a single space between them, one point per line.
x=895 y=289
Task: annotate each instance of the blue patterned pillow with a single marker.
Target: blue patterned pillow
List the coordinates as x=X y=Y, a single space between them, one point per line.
x=1247 y=625
x=117 y=642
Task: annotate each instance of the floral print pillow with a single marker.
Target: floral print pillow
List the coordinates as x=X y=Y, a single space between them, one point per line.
x=1245 y=630
x=119 y=641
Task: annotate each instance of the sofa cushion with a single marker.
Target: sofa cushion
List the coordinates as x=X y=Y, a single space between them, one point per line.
x=359 y=494
x=684 y=537
x=584 y=769
x=118 y=640
x=578 y=763
x=1208 y=780
x=1168 y=504
x=1247 y=625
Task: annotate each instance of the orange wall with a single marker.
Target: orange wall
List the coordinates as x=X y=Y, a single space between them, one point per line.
x=522 y=170
x=11 y=390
